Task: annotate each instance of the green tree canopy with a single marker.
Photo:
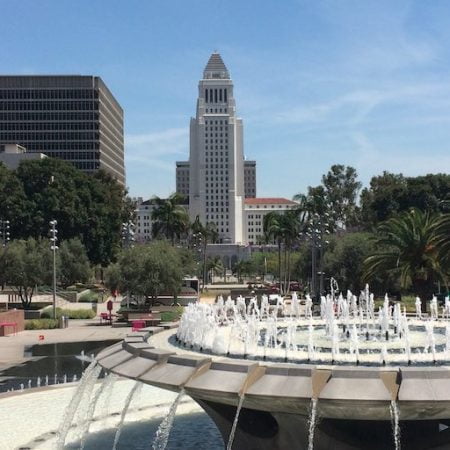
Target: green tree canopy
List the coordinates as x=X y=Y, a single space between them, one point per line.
x=27 y=264
x=113 y=277
x=407 y=245
x=90 y=207
x=12 y=199
x=170 y=217
x=335 y=199
x=344 y=260
x=73 y=264
x=389 y=194
x=150 y=270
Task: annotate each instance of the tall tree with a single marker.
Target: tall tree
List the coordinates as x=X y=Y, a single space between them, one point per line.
x=273 y=230
x=284 y=229
x=202 y=235
x=27 y=264
x=215 y=266
x=389 y=194
x=73 y=262
x=12 y=200
x=407 y=246
x=170 y=217
x=150 y=270
x=86 y=206
x=341 y=191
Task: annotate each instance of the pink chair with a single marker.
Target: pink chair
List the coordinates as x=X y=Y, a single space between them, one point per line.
x=137 y=325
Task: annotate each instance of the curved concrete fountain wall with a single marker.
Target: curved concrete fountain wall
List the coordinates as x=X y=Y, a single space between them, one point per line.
x=353 y=393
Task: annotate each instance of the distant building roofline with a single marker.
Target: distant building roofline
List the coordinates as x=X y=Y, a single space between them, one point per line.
x=269 y=201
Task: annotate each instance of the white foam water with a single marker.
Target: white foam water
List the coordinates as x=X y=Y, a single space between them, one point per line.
x=235 y=422
x=163 y=432
x=395 y=418
x=312 y=423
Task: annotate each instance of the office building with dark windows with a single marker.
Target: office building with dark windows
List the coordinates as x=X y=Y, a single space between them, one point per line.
x=71 y=117
x=249 y=179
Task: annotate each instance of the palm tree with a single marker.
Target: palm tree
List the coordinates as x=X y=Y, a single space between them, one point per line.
x=274 y=232
x=170 y=217
x=409 y=245
x=442 y=231
x=202 y=236
x=242 y=268
x=284 y=229
x=215 y=265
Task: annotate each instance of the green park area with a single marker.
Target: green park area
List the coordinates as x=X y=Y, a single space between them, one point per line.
x=393 y=234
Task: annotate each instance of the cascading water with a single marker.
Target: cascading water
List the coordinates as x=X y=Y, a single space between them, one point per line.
x=108 y=382
x=395 y=418
x=163 y=432
x=85 y=387
x=235 y=422
x=134 y=390
x=312 y=423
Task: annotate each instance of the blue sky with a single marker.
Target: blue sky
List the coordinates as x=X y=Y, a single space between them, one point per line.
x=364 y=82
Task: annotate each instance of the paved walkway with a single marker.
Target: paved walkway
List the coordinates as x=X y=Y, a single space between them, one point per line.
x=12 y=347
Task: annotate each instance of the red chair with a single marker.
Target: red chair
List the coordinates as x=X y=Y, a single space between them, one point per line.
x=137 y=325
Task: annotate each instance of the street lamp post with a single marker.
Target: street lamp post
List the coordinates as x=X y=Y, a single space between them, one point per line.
x=54 y=247
x=127 y=242
x=4 y=227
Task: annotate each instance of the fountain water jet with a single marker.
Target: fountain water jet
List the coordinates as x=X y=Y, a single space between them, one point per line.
x=395 y=418
x=163 y=432
x=86 y=385
x=106 y=385
x=235 y=422
x=134 y=390
x=312 y=423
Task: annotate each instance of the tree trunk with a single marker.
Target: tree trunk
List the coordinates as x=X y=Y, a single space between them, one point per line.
x=289 y=269
x=285 y=270
x=279 y=263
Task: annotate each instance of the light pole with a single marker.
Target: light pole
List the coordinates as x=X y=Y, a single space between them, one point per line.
x=4 y=226
x=54 y=247
x=127 y=242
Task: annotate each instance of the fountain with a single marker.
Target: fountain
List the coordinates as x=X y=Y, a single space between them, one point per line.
x=351 y=365
x=163 y=432
x=134 y=391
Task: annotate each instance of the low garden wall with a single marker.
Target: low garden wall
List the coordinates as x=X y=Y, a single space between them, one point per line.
x=11 y=316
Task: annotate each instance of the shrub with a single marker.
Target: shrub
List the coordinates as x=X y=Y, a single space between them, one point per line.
x=41 y=324
x=88 y=297
x=47 y=313
x=172 y=316
x=79 y=313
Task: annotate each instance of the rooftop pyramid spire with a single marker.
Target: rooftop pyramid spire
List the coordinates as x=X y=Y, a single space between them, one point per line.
x=216 y=67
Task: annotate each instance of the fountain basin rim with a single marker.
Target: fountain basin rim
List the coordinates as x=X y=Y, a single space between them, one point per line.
x=341 y=404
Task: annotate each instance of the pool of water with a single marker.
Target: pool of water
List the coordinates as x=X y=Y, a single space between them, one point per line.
x=58 y=362
x=189 y=431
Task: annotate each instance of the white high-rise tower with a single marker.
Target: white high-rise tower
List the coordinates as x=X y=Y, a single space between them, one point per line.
x=216 y=161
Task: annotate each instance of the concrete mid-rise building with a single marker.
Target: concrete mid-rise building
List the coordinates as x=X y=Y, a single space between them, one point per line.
x=255 y=211
x=11 y=155
x=71 y=117
x=143 y=218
